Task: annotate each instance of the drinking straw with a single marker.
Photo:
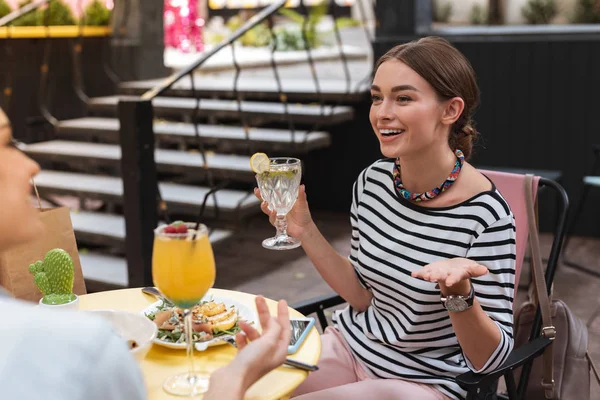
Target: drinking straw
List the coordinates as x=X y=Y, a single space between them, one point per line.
x=36 y=194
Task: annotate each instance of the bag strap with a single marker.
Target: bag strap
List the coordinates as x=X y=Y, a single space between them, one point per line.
x=548 y=330
x=593 y=367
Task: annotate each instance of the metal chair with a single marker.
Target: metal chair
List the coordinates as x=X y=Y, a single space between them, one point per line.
x=589 y=181
x=481 y=386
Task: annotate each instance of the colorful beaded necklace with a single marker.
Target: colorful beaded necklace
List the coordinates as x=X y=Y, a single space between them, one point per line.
x=433 y=192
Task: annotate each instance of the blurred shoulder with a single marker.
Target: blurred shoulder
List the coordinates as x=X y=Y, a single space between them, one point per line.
x=64 y=349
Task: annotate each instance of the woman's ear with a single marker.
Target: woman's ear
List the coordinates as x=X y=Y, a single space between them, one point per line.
x=453 y=109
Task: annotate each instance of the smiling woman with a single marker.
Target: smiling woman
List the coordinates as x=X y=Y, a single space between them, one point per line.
x=430 y=275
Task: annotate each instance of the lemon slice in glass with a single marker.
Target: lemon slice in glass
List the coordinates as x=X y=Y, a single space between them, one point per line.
x=259 y=162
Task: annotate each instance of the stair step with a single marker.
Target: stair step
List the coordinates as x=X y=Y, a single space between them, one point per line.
x=179 y=198
x=263 y=138
x=111 y=227
x=98 y=228
x=258 y=88
x=224 y=166
x=178 y=106
x=104 y=268
x=592 y=180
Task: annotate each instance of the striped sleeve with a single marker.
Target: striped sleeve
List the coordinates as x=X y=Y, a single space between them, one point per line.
x=357 y=190
x=495 y=249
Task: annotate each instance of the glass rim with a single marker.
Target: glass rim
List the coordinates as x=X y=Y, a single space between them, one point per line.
x=201 y=232
x=293 y=160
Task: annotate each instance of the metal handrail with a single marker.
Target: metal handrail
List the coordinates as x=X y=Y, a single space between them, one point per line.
x=44 y=87
x=78 y=84
x=251 y=23
x=26 y=9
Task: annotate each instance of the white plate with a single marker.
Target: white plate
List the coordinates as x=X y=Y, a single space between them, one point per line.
x=244 y=312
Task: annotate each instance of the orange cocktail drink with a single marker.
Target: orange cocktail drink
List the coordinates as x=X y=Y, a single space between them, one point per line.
x=183 y=266
x=183 y=269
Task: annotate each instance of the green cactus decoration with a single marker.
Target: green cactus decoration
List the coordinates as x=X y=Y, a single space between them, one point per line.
x=54 y=277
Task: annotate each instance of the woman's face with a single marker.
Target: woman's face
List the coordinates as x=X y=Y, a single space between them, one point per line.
x=406 y=113
x=19 y=221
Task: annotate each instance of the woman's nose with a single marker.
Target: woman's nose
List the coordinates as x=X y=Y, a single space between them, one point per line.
x=31 y=166
x=385 y=111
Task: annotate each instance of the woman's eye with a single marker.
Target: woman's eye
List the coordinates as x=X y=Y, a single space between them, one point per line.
x=375 y=98
x=404 y=99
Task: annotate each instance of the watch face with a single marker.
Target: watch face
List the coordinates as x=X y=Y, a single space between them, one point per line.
x=456 y=304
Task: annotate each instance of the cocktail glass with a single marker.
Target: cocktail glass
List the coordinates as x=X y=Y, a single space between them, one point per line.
x=183 y=269
x=279 y=188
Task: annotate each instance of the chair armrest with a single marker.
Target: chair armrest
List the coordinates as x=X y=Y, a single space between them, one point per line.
x=315 y=304
x=516 y=358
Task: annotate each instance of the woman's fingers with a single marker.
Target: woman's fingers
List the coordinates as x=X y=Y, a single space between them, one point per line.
x=249 y=331
x=302 y=196
x=477 y=270
x=283 y=317
x=241 y=341
x=263 y=311
x=439 y=275
x=264 y=206
x=455 y=276
x=273 y=217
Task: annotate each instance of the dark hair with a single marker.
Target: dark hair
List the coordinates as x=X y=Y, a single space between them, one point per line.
x=450 y=74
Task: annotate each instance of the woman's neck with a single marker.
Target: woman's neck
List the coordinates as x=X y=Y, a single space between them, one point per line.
x=427 y=170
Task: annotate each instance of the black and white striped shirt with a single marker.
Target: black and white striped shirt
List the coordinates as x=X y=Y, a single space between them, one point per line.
x=406 y=333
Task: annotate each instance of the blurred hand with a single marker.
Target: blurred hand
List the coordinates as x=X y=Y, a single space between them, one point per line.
x=258 y=354
x=298 y=219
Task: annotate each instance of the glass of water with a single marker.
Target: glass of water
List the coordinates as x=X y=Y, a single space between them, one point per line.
x=279 y=188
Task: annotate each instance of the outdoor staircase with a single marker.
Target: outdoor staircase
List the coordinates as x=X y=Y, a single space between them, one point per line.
x=84 y=158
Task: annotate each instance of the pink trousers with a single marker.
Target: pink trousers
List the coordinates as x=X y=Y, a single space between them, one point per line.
x=340 y=376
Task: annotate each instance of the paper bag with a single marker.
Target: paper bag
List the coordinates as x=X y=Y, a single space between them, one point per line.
x=14 y=263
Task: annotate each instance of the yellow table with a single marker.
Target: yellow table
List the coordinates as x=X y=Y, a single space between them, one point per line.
x=162 y=362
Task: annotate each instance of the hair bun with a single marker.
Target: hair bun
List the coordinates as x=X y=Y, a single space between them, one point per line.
x=468 y=130
x=464 y=139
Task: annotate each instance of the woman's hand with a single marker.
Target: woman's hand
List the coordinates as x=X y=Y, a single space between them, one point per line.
x=268 y=350
x=256 y=358
x=298 y=219
x=452 y=275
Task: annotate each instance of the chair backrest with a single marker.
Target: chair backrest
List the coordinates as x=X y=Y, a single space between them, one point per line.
x=511 y=186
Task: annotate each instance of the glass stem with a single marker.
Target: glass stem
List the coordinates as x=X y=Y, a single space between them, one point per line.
x=187 y=318
x=281 y=225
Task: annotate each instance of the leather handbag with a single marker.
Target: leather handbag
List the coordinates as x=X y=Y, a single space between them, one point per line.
x=563 y=372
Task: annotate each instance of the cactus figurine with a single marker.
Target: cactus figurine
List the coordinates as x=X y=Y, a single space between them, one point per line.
x=54 y=277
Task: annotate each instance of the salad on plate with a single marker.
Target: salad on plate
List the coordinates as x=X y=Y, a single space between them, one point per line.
x=212 y=321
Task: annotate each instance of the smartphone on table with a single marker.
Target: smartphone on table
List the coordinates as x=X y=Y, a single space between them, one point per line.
x=300 y=329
